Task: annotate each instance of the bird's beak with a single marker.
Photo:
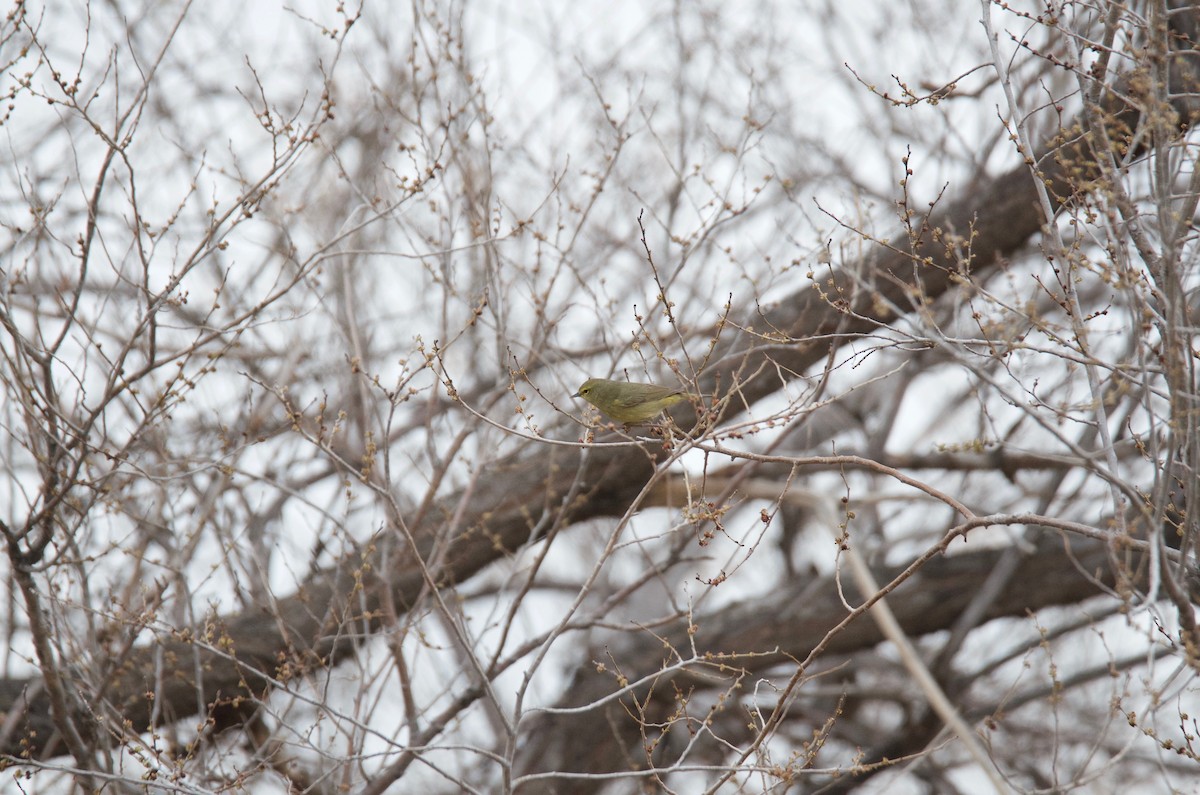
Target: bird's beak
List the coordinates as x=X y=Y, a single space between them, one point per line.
x=575 y=395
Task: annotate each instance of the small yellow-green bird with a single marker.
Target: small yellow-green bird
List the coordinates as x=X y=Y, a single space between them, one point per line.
x=629 y=403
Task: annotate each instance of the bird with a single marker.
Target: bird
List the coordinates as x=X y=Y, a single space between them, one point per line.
x=629 y=402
